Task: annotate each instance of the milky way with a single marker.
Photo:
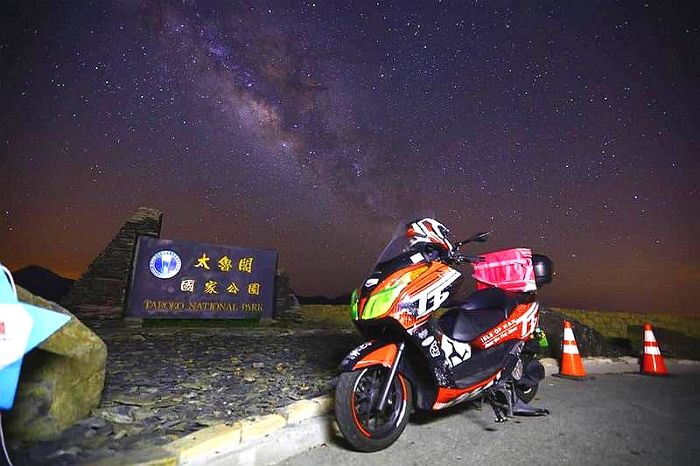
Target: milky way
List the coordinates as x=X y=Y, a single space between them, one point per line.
x=314 y=127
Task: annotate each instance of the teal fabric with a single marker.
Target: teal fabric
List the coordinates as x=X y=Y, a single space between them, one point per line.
x=45 y=323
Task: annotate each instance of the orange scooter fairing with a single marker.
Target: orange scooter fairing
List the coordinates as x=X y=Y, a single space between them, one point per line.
x=449 y=396
x=520 y=324
x=371 y=353
x=384 y=356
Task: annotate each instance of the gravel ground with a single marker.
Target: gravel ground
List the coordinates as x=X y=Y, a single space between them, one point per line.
x=163 y=383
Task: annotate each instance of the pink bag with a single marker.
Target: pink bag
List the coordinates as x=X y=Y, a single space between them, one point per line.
x=510 y=270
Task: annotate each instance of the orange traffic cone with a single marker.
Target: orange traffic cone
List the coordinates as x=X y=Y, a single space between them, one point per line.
x=652 y=361
x=571 y=362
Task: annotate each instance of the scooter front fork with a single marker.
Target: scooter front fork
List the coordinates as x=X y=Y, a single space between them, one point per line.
x=390 y=380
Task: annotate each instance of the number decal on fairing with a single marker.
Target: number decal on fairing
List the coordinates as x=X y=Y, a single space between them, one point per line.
x=432 y=297
x=529 y=321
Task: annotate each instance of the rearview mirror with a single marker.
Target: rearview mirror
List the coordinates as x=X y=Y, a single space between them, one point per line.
x=477 y=238
x=481 y=237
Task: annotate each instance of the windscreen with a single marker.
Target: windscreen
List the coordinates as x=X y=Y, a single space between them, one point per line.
x=399 y=242
x=394 y=248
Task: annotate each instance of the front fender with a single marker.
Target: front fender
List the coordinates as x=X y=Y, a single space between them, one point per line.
x=370 y=353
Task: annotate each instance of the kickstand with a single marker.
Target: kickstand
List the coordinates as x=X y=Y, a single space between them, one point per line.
x=499 y=409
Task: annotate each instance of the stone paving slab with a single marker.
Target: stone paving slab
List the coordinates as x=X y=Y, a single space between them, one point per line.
x=164 y=383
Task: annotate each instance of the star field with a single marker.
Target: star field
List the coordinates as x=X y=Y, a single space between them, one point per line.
x=314 y=127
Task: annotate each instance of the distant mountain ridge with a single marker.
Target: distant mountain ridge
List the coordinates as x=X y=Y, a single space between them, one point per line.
x=49 y=285
x=43 y=282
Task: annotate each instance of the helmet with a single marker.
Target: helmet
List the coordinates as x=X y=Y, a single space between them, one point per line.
x=429 y=230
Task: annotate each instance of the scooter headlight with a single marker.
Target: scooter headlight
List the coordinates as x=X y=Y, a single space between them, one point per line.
x=381 y=301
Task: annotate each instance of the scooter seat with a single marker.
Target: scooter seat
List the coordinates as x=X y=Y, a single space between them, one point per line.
x=491 y=298
x=465 y=326
x=481 y=311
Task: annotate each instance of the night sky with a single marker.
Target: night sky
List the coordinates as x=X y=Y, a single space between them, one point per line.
x=314 y=127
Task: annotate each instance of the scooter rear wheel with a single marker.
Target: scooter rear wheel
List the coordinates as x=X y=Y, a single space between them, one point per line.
x=356 y=397
x=525 y=393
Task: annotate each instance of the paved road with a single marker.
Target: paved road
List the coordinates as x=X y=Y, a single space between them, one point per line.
x=609 y=419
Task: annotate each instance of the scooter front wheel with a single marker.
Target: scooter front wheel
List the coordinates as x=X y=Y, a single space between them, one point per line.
x=356 y=398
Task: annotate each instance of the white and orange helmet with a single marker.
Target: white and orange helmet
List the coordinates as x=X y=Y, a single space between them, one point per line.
x=429 y=230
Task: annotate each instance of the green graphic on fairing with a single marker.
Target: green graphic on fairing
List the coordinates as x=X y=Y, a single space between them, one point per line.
x=380 y=303
x=354 y=301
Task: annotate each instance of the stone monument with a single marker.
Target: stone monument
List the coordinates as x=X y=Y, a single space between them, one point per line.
x=100 y=291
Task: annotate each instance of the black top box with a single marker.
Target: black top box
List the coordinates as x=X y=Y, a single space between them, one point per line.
x=543 y=269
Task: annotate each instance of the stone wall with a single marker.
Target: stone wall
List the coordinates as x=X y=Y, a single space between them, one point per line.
x=100 y=291
x=285 y=303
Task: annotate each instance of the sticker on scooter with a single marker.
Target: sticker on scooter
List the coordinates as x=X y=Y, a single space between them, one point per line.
x=456 y=351
x=434 y=349
x=431 y=298
x=354 y=354
x=526 y=323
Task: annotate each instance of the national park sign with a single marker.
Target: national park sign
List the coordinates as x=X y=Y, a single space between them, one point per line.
x=185 y=280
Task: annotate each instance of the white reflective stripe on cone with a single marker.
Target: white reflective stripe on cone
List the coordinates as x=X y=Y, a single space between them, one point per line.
x=652 y=350
x=649 y=335
x=571 y=349
x=568 y=334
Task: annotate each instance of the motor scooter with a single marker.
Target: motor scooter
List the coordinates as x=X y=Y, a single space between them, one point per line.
x=480 y=349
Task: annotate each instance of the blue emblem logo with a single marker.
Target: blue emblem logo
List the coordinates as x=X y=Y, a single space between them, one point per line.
x=165 y=264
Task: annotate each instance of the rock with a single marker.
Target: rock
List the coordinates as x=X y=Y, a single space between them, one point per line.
x=589 y=341
x=61 y=380
x=117 y=416
x=195 y=386
x=135 y=400
x=70 y=452
x=672 y=344
x=93 y=423
x=207 y=421
x=142 y=414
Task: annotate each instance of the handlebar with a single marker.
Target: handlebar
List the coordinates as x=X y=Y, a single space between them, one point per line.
x=461 y=259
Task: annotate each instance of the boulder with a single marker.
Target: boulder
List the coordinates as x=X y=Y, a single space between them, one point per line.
x=589 y=341
x=672 y=344
x=61 y=380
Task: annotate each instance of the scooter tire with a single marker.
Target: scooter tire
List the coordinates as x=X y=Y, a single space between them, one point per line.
x=348 y=418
